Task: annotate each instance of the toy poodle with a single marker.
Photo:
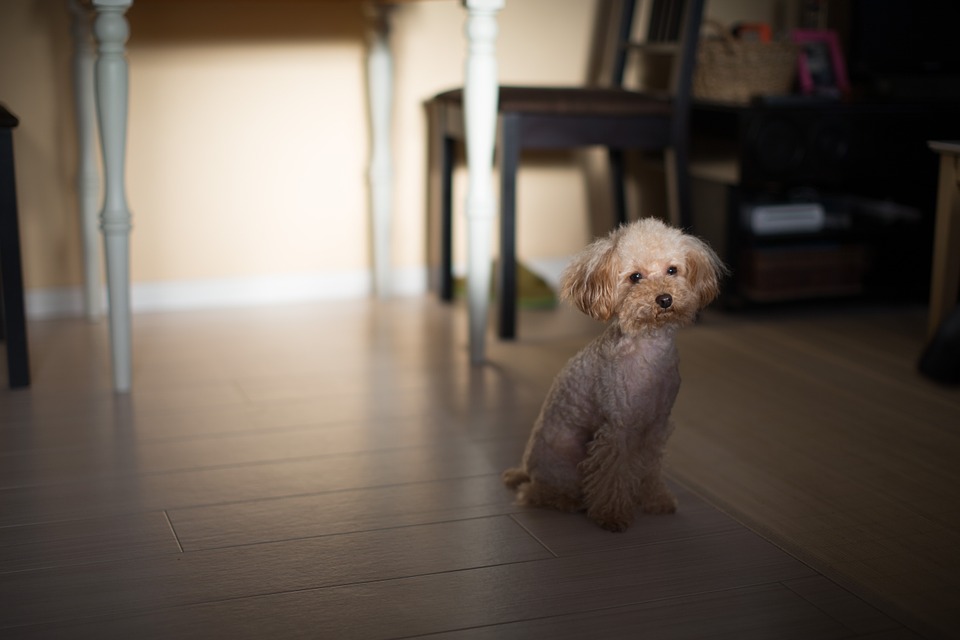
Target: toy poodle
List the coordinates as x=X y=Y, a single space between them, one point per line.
x=598 y=442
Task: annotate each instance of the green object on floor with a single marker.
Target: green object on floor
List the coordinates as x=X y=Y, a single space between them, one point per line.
x=533 y=291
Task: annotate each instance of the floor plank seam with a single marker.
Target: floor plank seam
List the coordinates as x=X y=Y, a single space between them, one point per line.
x=216 y=467
x=67 y=520
x=534 y=536
x=350 y=532
x=89 y=563
x=308 y=494
x=173 y=530
x=143 y=439
x=292 y=496
x=133 y=614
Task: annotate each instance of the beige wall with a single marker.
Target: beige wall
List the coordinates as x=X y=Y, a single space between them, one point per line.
x=248 y=141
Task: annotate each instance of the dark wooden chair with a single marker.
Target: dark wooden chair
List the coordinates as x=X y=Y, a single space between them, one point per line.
x=13 y=328
x=614 y=117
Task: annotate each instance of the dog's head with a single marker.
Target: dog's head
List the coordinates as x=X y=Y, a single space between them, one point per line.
x=645 y=275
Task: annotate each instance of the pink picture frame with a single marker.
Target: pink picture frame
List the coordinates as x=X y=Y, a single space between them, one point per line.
x=821 y=69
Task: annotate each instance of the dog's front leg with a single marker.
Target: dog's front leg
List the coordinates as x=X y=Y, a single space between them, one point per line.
x=654 y=496
x=609 y=486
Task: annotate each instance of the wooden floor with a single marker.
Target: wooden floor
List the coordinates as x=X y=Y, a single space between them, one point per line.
x=331 y=471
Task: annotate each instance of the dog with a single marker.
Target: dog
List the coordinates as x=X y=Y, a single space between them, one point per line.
x=598 y=442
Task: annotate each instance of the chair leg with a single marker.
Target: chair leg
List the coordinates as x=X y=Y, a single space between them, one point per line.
x=678 y=187
x=619 y=186
x=446 y=151
x=509 y=152
x=432 y=204
x=440 y=164
x=442 y=149
x=14 y=328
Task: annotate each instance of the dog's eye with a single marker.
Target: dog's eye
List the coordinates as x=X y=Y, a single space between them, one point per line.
x=671 y=271
x=636 y=277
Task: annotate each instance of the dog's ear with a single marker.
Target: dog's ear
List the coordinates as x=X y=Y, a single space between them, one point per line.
x=590 y=281
x=704 y=270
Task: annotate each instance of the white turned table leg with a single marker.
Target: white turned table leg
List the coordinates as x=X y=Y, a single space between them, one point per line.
x=480 y=115
x=88 y=173
x=111 y=31
x=380 y=99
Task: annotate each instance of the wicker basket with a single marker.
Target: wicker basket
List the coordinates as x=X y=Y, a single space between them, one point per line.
x=733 y=70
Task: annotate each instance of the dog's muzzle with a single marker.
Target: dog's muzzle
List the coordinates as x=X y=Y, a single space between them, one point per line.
x=664 y=300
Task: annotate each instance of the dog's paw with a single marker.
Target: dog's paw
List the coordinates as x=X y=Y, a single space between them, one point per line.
x=536 y=494
x=513 y=478
x=659 y=503
x=611 y=521
x=616 y=526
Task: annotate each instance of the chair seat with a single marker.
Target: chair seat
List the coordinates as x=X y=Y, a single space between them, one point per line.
x=573 y=101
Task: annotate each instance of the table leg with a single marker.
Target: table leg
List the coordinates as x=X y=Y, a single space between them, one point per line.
x=88 y=173
x=480 y=120
x=946 y=244
x=111 y=31
x=380 y=97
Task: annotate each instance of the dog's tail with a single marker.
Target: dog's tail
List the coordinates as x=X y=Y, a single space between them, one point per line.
x=515 y=477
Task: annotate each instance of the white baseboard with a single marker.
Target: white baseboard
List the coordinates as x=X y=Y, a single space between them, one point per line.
x=53 y=303
x=231 y=292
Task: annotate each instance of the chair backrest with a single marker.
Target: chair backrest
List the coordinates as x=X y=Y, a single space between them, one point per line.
x=624 y=34
x=611 y=31
x=672 y=33
x=682 y=78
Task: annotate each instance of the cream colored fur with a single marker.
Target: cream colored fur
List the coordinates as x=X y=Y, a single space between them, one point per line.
x=598 y=442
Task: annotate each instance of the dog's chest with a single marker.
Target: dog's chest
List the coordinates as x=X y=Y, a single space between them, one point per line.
x=646 y=380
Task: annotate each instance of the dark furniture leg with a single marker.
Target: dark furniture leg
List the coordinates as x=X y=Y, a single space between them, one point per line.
x=618 y=185
x=678 y=158
x=440 y=163
x=447 y=150
x=509 y=161
x=11 y=275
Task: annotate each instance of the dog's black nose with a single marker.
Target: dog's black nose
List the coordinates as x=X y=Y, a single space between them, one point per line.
x=664 y=300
